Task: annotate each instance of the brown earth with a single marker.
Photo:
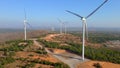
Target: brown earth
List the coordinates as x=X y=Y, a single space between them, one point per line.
x=47 y=57
x=57 y=51
x=50 y=37
x=67 y=38
x=89 y=64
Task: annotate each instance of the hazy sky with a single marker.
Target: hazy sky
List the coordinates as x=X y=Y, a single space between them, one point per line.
x=44 y=13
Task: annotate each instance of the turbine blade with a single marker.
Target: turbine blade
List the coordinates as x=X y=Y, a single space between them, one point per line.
x=59 y=20
x=74 y=14
x=86 y=30
x=28 y=24
x=25 y=13
x=97 y=9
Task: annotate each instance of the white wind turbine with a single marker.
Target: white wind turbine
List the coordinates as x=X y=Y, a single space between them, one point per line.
x=65 y=27
x=85 y=25
x=25 y=26
x=61 y=27
x=52 y=29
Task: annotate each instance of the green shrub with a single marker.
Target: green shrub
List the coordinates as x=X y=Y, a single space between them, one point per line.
x=6 y=60
x=14 y=45
x=56 y=65
x=41 y=52
x=97 y=65
x=49 y=44
x=31 y=55
x=29 y=65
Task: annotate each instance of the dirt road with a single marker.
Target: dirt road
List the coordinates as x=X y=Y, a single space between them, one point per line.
x=37 y=43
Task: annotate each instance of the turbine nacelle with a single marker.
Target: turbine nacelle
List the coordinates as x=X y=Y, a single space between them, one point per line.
x=83 y=19
x=25 y=21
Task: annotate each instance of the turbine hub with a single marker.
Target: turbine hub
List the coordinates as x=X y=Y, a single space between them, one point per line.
x=25 y=21
x=83 y=19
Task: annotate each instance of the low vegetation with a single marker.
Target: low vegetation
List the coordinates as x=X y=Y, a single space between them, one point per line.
x=41 y=52
x=16 y=46
x=6 y=60
x=9 y=51
x=28 y=65
x=56 y=65
x=8 y=57
x=37 y=61
x=100 y=37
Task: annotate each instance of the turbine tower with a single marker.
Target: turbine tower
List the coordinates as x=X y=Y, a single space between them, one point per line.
x=25 y=22
x=65 y=28
x=52 y=29
x=84 y=25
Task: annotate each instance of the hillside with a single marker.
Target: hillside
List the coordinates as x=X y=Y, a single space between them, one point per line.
x=94 y=51
x=26 y=54
x=51 y=50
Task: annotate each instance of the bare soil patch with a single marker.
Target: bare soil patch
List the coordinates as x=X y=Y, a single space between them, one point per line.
x=47 y=57
x=57 y=51
x=50 y=37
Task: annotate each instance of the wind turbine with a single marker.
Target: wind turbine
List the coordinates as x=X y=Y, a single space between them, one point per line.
x=25 y=21
x=25 y=25
x=65 y=28
x=52 y=29
x=84 y=24
x=61 y=27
